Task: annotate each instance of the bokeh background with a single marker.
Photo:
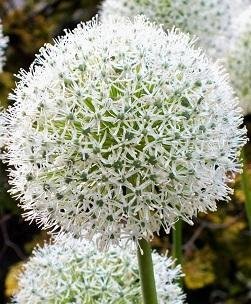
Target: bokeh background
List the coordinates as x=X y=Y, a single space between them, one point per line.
x=216 y=250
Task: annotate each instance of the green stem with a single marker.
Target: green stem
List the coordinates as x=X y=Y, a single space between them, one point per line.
x=245 y=183
x=177 y=242
x=146 y=273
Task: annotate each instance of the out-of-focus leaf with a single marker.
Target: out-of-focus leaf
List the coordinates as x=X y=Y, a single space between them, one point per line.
x=199 y=269
x=6 y=85
x=38 y=239
x=11 y=281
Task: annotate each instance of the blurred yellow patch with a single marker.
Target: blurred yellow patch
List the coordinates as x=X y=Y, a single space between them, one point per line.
x=6 y=85
x=199 y=269
x=30 y=31
x=11 y=281
x=237 y=227
x=239 y=193
x=213 y=217
x=231 y=301
x=232 y=230
x=38 y=239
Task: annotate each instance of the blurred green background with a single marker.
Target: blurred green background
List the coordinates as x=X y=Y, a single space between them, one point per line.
x=217 y=249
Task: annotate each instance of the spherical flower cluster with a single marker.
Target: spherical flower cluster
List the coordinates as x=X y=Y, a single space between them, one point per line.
x=74 y=271
x=247 y=2
x=119 y=129
x=239 y=59
x=3 y=45
x=210 y=20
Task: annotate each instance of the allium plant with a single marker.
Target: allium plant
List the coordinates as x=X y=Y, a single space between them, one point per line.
x=120 y=128
x=210 y=20
x=3 y=45
x=73 y=271
x=239 y=59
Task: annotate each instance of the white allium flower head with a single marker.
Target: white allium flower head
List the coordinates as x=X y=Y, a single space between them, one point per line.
x=239 y=59
x=3 y=45
x=210 y=20
x=74 y=271
x=120 y=128
x=247 y=2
